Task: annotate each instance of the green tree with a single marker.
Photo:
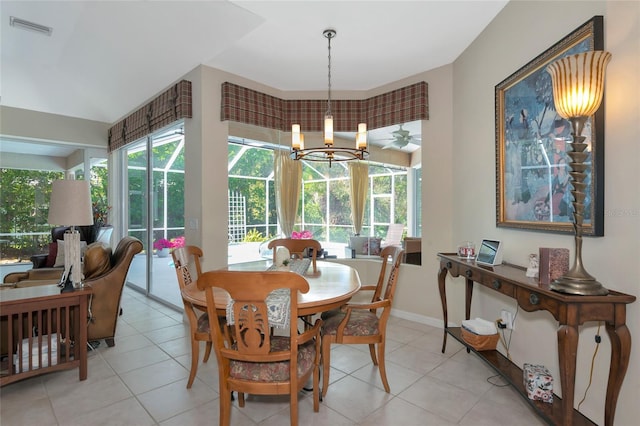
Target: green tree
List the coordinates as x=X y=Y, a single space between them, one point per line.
x=24 y=208
x=99 y=187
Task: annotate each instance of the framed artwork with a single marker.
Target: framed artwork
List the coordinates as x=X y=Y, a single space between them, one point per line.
x=532 y=140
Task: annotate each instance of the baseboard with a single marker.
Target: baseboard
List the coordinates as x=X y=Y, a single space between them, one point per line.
x=422 y=319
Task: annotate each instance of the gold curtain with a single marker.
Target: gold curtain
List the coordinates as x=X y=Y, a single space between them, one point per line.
x=288 y=180
x=358 y=184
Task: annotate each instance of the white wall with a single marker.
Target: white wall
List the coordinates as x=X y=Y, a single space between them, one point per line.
x=20 y=124
x=519 y=33
x=41 y=126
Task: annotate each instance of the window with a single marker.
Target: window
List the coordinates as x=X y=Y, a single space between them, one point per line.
x=24 y=197
x=324 y=205
x=153 y=185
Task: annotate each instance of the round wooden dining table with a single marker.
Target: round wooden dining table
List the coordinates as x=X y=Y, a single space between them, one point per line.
x=331 y=286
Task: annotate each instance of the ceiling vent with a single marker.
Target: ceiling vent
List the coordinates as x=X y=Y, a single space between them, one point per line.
x=31 y=26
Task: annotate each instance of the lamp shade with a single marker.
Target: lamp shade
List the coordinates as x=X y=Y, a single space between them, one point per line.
x=578 y=83
x=70 y=203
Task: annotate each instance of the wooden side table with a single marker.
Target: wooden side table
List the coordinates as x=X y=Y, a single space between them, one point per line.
x=569 y=310
x=60 y=320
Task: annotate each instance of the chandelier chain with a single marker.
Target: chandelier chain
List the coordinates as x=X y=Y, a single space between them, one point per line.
x=329 y=36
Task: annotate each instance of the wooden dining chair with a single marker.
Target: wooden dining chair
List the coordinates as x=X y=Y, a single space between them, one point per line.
x=364 y=323
x=298 y=248
x=257 y=362
x=187 y=263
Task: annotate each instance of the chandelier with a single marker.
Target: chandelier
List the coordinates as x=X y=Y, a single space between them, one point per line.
x=329 y=152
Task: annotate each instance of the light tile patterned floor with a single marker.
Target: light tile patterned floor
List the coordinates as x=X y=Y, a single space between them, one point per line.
x=142 y=381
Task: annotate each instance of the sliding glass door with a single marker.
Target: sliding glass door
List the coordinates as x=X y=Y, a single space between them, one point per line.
x=155 y=215
x=137 y=219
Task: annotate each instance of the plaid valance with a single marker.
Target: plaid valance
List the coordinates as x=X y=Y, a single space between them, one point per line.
x=248 y=106
x=169 y=106
x=252 y=107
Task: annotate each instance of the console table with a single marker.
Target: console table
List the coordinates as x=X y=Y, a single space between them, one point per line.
x=569 y=310
x=61 y=323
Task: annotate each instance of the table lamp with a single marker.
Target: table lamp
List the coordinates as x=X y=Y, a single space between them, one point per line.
x=578 y=88
x=70 y=205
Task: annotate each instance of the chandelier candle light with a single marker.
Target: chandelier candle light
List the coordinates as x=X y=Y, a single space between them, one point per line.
x=578 y=86
x=328 y=152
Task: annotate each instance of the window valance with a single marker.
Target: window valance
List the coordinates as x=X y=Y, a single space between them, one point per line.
x=248 y=106
x=169 y=106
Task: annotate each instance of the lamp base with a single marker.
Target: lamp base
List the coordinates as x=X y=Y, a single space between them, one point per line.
x=578 y=287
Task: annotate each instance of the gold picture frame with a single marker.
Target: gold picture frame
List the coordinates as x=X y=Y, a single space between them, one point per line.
x=532 y=172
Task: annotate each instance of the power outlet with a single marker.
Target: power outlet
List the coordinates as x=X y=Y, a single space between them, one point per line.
x=507 y=319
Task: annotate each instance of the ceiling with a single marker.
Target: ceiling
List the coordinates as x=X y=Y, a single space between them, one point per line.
x=136 y=48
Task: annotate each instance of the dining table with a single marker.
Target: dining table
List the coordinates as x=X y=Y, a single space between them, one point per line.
x=331 y=286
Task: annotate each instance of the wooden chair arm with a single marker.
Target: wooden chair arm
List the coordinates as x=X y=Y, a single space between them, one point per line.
x=310 y=333
x=368 y=306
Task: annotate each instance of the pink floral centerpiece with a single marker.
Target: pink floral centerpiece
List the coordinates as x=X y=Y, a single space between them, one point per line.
x=162 y=243
x=302 y=235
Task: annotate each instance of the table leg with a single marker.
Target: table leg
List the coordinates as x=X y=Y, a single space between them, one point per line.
x=620 y=350
x=567 y=353
x=468 y=295
x=82 y=323
x=442 y=275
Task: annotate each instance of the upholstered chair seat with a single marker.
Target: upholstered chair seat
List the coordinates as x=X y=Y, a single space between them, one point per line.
x=275 y=371
x=361 y=323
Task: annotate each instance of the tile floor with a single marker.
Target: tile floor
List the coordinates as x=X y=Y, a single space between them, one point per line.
x=142 y=381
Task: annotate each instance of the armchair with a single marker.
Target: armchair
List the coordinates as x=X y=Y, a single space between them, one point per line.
x=256 y=361
x=187 y=263
x=107 y=278
x=106 y=274
x=107 y=291
x=364 y=323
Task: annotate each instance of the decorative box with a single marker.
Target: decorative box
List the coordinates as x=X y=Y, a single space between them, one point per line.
x=554 y=263
x=538 y=382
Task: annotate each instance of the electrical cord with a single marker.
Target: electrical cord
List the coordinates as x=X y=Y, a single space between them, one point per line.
x=593 y=359
x=90 y=318
x=501 y=327
x=498 y=385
